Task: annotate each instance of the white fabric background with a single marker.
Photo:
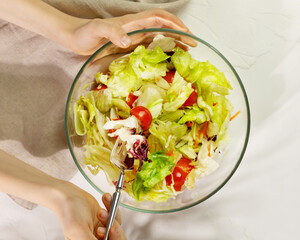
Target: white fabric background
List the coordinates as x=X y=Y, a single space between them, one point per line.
x=262 y=199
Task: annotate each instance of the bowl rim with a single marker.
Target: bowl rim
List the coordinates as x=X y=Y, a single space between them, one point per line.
x=244 y=95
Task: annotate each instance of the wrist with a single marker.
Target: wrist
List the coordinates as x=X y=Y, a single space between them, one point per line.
x=62 y=29
x=55 y=195
x=69 y=32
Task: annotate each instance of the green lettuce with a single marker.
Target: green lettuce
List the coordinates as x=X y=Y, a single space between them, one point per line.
x=193 y=114
x=118 y=65
x=158 y=193
x=101 y=78
x=187 y=67
x=206 y=75
x=97 y=158
x=203 y=105
x=123 y=82
x=177 y=94
x=152 y=172
x=168 y=133
x=188 y=151
x=171 y=116
x=155 y=107
x=103 y=100
x=148 y=64
x=84 y=113
x=122 y=108
x=221 y=115
x=213 y=80
x=89 y=120
x=81 y=116
x=154 y=144
x=151 y=98
x=221 y=111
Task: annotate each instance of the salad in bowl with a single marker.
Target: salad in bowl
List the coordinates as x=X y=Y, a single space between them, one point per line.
x=172 y=111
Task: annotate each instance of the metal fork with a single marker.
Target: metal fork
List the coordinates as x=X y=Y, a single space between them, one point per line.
x=117 y=157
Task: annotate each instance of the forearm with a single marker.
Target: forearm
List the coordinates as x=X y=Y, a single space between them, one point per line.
x=38 y=17
x=22 y=180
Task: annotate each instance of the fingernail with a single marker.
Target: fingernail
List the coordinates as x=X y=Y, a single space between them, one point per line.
x=103 y=214
x=115 y=230
x=102 y=230
x=107 y=197
x=125 y=41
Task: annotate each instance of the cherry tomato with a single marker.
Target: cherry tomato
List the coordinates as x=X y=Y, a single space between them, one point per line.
x=142 y=114
x=191 y=100
x=131 y=99
x=189 y=124
x=169 y=76
x=179 y=174
x=100 y=88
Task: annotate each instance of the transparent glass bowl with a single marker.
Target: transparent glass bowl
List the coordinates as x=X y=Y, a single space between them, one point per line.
x=239 y=128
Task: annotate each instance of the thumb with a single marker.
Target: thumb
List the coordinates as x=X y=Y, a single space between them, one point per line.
x=116 y=34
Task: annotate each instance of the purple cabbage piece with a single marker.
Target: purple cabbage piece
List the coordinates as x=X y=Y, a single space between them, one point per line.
x=140 y=151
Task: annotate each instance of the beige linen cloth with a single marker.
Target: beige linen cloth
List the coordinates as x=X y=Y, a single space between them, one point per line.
x=35 y=77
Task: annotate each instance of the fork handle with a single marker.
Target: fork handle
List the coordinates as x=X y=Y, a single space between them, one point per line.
x=115 y=204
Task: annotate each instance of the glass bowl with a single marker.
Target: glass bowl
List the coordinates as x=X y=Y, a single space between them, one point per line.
x=238 y=129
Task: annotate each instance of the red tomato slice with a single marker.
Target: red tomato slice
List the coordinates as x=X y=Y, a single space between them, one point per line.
x=169 y=76
x=191 y=100
x=113 y=130
x=131 y=99
x=98 y=88
x=184 y=164
x=144 y=115
x=179 y=174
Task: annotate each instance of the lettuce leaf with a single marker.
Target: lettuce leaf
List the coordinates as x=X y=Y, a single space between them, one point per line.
x=193 y=114
x=152 y=172
x=117 y=66
x=101 y=78
x=187 y=67
x=154 y=144
x=188 y=151
x=148 y=64
x=103 y=100
x=84 y=113
x=89 y=120
x=122 y=108
x=123 y=82
x=127 y=73
x=97 y=158
x=155 y=107
x=213 y=80
x=152 y=99
x=178 y=93
x=168 y=133
x=203 y=105
x=221 y=112
x=171 y=116
x=158 y=193
x=206 y=75
x=167 y=44
x=81 y=116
